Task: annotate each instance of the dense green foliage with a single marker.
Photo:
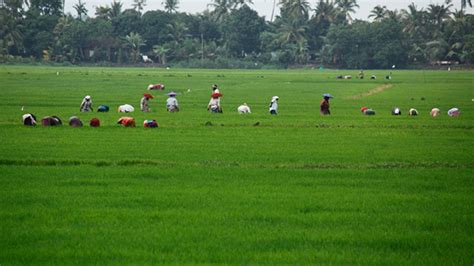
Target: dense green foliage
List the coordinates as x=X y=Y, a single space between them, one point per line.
x=299 y=188
x=231 y=34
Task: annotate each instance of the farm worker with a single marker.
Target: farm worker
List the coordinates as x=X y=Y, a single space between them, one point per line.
x=454 y=112
x=367 y=111
x=172 y=103
x=74 y=121
x=156 y=87
x=243 y=109
x=396 y=111
x=51 y=121
x=274 y=105
x=325 y=104
x=126 y=121
x=214 y=105
x=150 y=123
x=144 y=102
x=95 y=122
x=435 y=112
x=103 y=108
x=86 y=105
x=413 y=112
x=29 y=120
x=126 y=108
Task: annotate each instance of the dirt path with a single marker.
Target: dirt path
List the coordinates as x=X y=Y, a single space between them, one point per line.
x=379 y=89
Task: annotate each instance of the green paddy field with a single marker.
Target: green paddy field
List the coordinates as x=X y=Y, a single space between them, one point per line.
x=296 y=188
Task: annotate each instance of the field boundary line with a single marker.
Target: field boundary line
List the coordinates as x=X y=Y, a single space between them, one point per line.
x=373 y=91
x=234 y=164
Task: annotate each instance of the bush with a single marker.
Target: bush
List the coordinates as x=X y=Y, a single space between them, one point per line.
x=220 y=62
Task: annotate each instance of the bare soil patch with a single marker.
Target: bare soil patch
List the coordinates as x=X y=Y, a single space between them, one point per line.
x=373 y=91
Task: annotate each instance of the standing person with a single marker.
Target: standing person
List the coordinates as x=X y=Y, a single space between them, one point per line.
x=274 y=105
x=214 y=105
x=144 y=103
x=86 y=105
x=325 y=104
x=172 y=103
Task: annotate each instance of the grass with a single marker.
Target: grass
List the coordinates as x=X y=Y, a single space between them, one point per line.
x=298 y=188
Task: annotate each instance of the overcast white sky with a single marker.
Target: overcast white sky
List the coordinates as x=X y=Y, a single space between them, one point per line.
x=264 y=7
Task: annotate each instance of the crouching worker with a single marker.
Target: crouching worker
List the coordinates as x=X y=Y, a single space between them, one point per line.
x=172 y=103
x=435 y=112
x=156 y=87
x=74 y=121
x=243 y=109
x=367 y=111
x=103 y=108
x=86 y=105
x=413 y=112
x=126 y=108
x=95 y=122
x=454 y=112
x=150 y=123
x=29 y=120
x=51 y=121
x=126 y=121
x=396 y=111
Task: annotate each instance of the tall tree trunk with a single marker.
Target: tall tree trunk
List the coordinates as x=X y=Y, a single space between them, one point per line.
x=273 y=10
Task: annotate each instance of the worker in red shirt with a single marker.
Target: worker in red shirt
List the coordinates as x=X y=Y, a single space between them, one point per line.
x=325 y=104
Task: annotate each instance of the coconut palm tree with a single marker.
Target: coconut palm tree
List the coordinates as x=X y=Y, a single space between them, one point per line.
x=273 y=10
x=10 y=32
x=115 y=9
x=238 y=3
x=161 y=52
x=103 y=12
x=437 y=50
x=221 y=9
x=138 y=5
x=346 y=7
x=134 y=41
x=291 y=31
x=302 y=51
x=179 y=32
x=81 y=9
x=438 y=14
x=325 y=11
x=171 y=6
x=414 y=19
x=378 y=13
x=464 y=3
x=296 y=9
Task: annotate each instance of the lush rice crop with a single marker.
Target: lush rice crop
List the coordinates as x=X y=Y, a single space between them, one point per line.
x=295 y=188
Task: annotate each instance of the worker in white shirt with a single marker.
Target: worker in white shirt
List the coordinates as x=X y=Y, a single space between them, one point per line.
x=274 y=105
x=172 y=103
x=86 y=105
x=243 y=109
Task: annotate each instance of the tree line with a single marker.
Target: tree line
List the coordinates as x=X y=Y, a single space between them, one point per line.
x=230 y=33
